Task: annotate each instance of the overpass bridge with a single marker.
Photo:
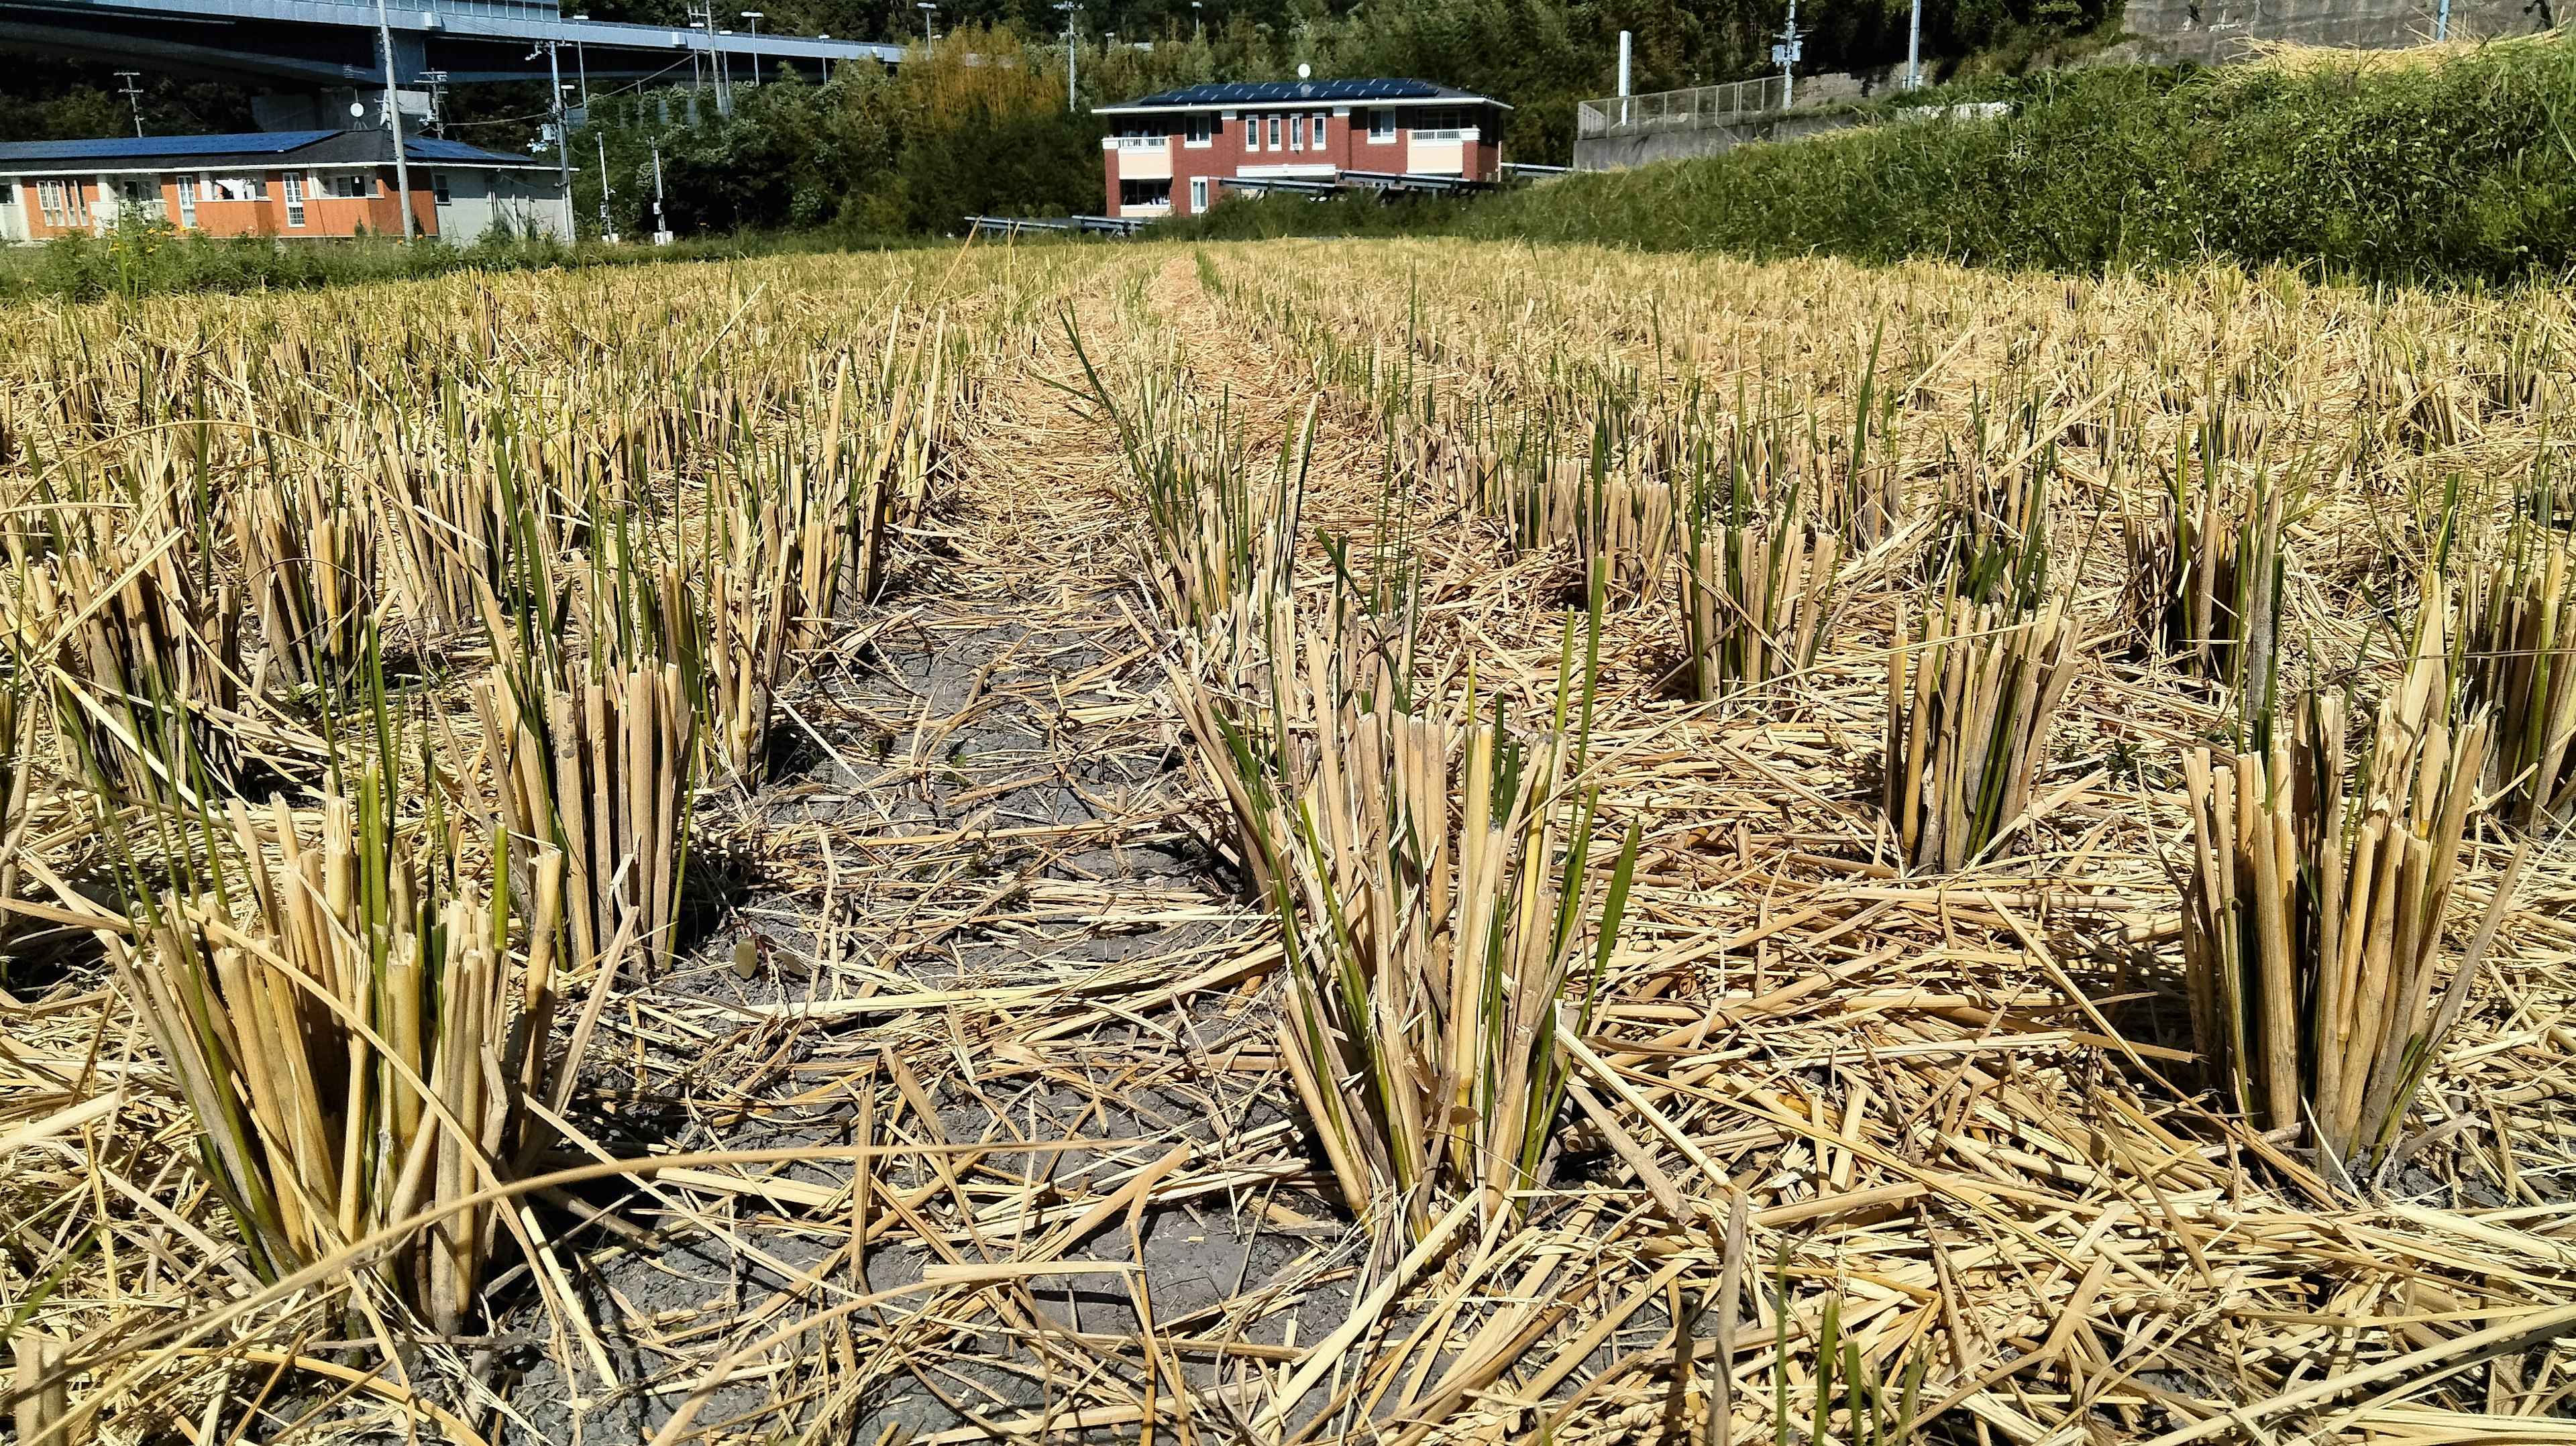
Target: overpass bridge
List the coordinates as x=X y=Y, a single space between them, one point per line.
x=325 y=45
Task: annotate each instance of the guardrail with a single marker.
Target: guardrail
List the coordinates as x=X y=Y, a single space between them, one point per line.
x=1700 y=106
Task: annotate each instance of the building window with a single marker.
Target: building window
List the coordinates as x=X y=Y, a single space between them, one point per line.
x=142 y=198
x=1319 y=132
x=1198 y=194
x=294 y=199
x=1144 y=193
x=238 y=188
x=1198 y=130
x=438 y=187
x=1443 y=123
x=8 y=193
x=353 y=187
x=61 y=203
x=1296 y=133
x=1274 y=132
x=187 y=200
x=1381 y=127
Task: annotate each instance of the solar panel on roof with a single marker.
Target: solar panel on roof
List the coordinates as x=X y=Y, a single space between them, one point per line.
x=146 y=147
x=429 y=148
x=1270 y=92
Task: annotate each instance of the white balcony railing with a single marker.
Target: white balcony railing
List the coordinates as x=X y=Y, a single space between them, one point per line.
x=1454 y=133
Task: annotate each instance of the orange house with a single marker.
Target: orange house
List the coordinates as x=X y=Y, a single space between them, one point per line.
x=279 y=183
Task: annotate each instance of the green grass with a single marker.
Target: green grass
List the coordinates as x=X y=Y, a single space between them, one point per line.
x=1348 y=213
x=2459 y=168
x=151 y=260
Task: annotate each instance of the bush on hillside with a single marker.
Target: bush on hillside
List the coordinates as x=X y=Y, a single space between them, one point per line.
x=2458 y=166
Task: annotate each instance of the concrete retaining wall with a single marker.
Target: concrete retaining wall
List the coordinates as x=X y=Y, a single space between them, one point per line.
x=1617 y=152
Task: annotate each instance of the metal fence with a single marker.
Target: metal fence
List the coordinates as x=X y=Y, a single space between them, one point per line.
x=1665 y=110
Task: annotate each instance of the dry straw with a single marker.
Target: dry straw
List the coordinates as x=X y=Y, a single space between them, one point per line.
x=333 y=1000
x=2207 y=569
x=140 y=655
x=1430 y=869
x=1972 y=692
x=2315 y=908
x=309 y=555
x=2517 y=662
x=1758 y=584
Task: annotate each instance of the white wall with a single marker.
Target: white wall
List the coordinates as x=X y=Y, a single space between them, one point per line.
x=531 y=203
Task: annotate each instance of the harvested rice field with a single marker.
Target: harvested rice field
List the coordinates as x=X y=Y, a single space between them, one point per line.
x=1400 y=843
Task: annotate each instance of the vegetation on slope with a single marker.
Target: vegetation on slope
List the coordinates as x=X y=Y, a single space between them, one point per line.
x=2457 y=167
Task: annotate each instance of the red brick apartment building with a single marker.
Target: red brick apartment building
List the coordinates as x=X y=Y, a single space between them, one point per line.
x=281 y=183
x=1170 y=154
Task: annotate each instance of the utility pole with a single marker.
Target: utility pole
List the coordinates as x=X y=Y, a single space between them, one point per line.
x=436 y=80
x=607 y=226
x=661 y=225
x=1914 y=48
x=1785 y=55
x=393 y=120
x=2442 y=23
x=563 y=143
x=581 y=66
x=755 y=17
x=705 y=19
x=1624 y=45
x=133 y=93
x=1070 y=10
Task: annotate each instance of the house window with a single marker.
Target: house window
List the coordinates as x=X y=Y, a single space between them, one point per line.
x=61 y=203
x=238 y=188
x=438 y=187
x=1296 y=133
x=1319 y=132
x=1144 y=193
x=8 y=193
x=1381 y=127
x=1274 y=132
x=1198 y=130
x=142 y=198
x=187 y=200
x=1198 y=194
x=294 y=199
x=1443 y=123
x=353 y=187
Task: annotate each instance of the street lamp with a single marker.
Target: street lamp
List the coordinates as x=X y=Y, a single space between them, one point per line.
x=755 y=17
x=926 y=9
x=1070 y=10
x=1198 y=18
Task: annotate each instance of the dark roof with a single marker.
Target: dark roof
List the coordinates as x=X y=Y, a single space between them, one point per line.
x=322 y=147
x=121 y=148
x=1276 y=92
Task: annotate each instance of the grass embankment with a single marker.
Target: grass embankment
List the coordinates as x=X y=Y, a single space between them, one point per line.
x=2440 y=166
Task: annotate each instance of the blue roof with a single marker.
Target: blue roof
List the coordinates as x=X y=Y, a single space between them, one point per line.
x=430 y=148
x=1278 y=92
x=115 y=148
x=256 y=143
